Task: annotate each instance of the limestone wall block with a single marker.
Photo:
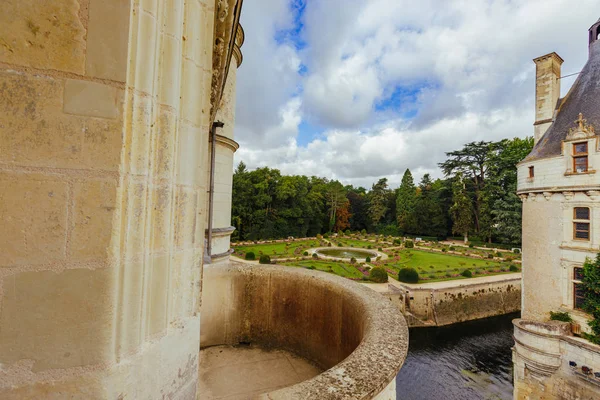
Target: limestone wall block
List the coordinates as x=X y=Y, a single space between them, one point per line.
x=130 y=306
x=193 y=93
x=185 y=217
x=33 y=219
x=191 y=162
x=161 y=198
x=156 y=317
x=94 y=208
x=182 y=284
x=108 y=39
x=150 y=6
x=138 y=135
x=145 y=52
x=136 y=220
x=42 y=34
x=90 y=99
x=70 y=318
x=173 y=17
x=170 y=71
x=165 y=143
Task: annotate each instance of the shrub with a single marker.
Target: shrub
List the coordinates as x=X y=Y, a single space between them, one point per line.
x=369 y=247
x=477 y=272
x=467 y=273
x=326 y=236
x=498 y=254
x=408 y=275
x=329 y=244
x=315 y=256
x=444 y=250
x=448 y=275
x=490 y=256
x=513 y=268
x=340 y=244
x=378 y=275
x=471 y=245
x=452 y=248
x=311 y=267
x=409 y=244
x=250 y=256
x=348 y=233
x=368 y=259
x=560 y=316
x=341 y=233
x=353 y=260
x=397 y=241
x=319 y=236
x=379 y=249
x=265 y=259
x=363 y=232
x=305 y=253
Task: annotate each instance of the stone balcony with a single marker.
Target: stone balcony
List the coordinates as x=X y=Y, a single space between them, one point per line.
x=336 y=338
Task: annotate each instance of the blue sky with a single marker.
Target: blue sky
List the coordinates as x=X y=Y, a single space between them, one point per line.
x=357 y=90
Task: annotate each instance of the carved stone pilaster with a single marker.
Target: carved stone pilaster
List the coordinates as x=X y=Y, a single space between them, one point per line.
x=523 y=197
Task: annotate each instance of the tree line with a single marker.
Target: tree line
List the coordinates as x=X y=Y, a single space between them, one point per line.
x=475 y=200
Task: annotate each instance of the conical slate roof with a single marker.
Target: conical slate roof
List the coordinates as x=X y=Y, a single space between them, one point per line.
x=584 y=97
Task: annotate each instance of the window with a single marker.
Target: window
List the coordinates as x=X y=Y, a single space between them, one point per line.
x=580 y=157
x=578 y=293
x=581 y=223
x=531 y=172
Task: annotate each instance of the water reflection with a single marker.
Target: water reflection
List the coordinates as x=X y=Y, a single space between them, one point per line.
x=461 y=362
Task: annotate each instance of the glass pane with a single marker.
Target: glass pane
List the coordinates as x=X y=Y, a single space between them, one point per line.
x=581 y=147
x=582 y=230
x=582 y=213
x=581 y=164
x=578 y=274
x=579 y=295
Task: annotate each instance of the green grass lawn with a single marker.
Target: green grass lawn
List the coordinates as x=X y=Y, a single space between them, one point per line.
x=437 y=266
x=279 y=250
x=342 y=269
x=355 y=243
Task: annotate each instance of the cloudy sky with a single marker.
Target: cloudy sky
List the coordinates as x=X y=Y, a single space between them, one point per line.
x=357 y=90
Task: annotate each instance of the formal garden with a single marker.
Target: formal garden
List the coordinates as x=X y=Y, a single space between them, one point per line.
x=408 y=260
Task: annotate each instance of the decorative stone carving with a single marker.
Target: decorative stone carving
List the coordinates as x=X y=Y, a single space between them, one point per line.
x=226 y=30
x=547 y=195
x=593 y=194
x=583 y=130
x=523 y=197
x=532 y=197
x=568 y=195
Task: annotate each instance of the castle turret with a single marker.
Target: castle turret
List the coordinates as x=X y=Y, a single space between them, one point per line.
x=547 y=91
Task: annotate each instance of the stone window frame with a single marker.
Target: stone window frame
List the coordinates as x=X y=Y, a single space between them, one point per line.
x=578 y=221
x=575 y=280
x=580 y=155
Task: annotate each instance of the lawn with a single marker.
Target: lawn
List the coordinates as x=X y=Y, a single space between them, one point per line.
x=355 y=243
x=342 y=269
x=278 y=250
x=437 y=266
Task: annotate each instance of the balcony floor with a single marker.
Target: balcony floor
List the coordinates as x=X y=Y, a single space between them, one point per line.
x=241 y=372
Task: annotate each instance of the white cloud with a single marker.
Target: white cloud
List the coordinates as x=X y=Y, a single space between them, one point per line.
x=470 y=63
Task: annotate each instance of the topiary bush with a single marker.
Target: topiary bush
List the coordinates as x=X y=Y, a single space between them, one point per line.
x=513 y=268
x=452 y=248
x=379 y=249
x=353 y=260
x=305 y=253
x=444 y=250
x=517 y=251
x=498 y=254
x=408 y=275
x=471 y=245
x=326 y=236
x=467 y=273
x=250 y=256
x=409 y=244
x=490 y=256
x=368 y=259
x=378 y=275
x=363 y=232
x=315 y=256
x=264 y=259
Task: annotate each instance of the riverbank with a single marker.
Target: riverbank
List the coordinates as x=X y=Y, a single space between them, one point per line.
x=451 y=302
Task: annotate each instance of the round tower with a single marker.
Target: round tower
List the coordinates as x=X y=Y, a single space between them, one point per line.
x=595 y=32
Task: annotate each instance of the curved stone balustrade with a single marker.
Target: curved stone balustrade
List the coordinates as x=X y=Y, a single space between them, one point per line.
x=356 y=336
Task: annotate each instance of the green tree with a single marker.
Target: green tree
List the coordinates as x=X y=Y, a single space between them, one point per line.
x=429 y=212
x=461 y=209
x=378 y=201
x=472 y=163
x=406 y=203
x=591 y=291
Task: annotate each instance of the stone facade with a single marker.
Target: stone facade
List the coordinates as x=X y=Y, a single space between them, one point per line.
x=105 y=112
x=561 y=215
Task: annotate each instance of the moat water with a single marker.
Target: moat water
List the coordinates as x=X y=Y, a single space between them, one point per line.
x=466 y=361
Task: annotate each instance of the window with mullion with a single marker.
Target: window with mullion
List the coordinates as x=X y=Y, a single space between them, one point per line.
x=580 y=157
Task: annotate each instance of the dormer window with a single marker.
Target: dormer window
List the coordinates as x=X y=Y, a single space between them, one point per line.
x=580 y=157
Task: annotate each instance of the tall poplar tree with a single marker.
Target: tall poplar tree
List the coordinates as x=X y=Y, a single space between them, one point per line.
x=406 y=203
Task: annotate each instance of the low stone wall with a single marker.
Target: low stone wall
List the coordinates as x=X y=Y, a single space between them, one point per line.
x=449 y=305
x=550 y=363
x=345 y=328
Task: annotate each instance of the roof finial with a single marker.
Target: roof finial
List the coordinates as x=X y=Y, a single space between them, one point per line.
x=582 y=131
x=581 y=122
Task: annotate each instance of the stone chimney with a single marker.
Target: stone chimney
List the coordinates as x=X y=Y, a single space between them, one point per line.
x=547 y=91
